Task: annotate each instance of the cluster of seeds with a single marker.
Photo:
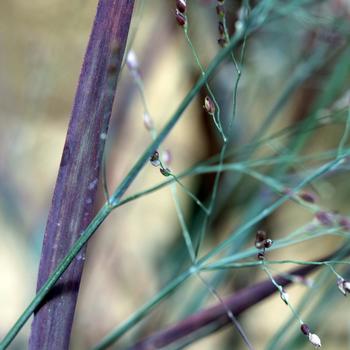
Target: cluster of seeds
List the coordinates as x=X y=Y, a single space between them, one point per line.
x=220 y=10
x=180 y=13
x=156 y=162
x=262 y=242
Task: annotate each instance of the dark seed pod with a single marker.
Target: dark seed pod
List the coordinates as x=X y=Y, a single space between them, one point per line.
x=305 y=329
x=221 y=28
x=155 y=159
x=181 y=5
x=222 y=42
x=308 y=197
x=165 y=171
x=260 y=236
x=180 y=18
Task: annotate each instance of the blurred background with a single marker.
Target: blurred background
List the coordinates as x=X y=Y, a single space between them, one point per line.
x=295 y=70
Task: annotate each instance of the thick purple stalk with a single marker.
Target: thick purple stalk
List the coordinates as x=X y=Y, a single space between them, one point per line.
x=75 y=190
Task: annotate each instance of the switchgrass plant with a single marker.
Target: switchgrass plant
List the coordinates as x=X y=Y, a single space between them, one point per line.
x=252 y=183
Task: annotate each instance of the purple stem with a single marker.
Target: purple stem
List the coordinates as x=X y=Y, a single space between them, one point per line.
x=78 y=176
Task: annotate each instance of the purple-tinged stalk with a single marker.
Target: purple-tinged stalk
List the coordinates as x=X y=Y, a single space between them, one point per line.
x=74 y=194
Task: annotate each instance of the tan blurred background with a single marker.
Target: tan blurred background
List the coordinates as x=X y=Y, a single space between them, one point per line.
x=41 y=49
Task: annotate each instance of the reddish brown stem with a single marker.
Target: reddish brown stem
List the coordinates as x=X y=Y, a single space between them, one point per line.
x=74 y=194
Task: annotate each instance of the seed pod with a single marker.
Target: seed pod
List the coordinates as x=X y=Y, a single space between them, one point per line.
x=131 y=61
x=155 y=159
x=305 y=329
x=209 y=105
x=221 y=28
x=346 y=286
x=268 y=243
x=222 y=42
x=260 y=237
x=181 y=5
x=180 y=18
x=315 y=340
x=147 y=121
x=325 y=218
x=343 y=286
x=308 y=197
x=165 y=171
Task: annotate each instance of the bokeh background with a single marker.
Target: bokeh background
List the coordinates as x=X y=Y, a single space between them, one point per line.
x=139 y=248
